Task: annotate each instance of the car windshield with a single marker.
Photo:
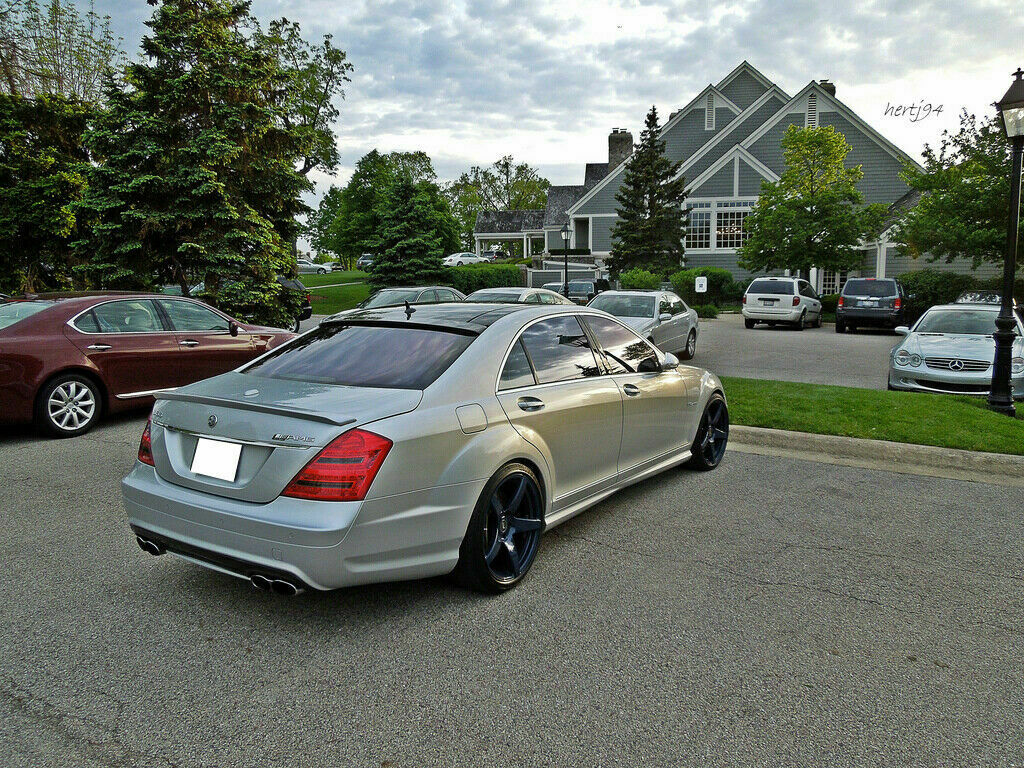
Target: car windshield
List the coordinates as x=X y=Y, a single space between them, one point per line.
x=13 y=311
x=782 y=287
x=625 y=306
x=494 y=298
x=874 y=288
x=391 y=297
x=365 y=356
x=958 y=321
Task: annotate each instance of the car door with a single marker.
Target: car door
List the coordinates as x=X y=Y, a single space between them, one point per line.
x=657 y=417
x=556 y=396
x=206 y=346
x=810 y=300
x=130 y=344
x=666 y=333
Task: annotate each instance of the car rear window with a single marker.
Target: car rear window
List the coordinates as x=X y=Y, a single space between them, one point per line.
x=392 y=357
x=873 y=288
x=391 y=298
x=494 y=298
x=13 y=311
x=781 y=287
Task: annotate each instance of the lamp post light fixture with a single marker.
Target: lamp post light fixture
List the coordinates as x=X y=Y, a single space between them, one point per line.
x=1011 y=110
x=566 y=234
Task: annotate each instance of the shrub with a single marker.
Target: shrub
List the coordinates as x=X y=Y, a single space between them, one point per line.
x=572 y=251
x=829 y=302
x=473 y=277
x=722 y=289
x=639 y=279
x=927 y=287
x=707 y=311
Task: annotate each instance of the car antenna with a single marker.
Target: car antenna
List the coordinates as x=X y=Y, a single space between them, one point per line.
x=408 y=310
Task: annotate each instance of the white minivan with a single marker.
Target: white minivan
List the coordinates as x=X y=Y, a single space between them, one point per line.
x=788 y=300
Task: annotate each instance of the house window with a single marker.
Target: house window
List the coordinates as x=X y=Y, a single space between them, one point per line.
x=832 y=281
x=698 y=231
x=812 y=111
x=709 y=113
x=729 y=228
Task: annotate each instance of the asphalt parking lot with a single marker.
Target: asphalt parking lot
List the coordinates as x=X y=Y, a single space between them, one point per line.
x=774 y=612
x=814 y=355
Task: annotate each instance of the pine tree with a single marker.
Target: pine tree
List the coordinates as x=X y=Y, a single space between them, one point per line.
x=409 y=248
x=197 y=179
x=651 y=222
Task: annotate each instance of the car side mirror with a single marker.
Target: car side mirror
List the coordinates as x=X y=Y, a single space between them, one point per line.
x=902 y=330
x=649 y=365
x=233 y=328
x=664 y=317
x=670 y=362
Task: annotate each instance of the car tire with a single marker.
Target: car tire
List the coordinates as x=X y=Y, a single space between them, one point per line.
x=321 y=271
x=709 y=445
x=295 y=325
x=818 y=321
x=487 y=563
x=68 y=406
x=748 y=324
x=691 y=346
x=840 y=326
x=852 y=328
x=458 y=263
x=802 y=322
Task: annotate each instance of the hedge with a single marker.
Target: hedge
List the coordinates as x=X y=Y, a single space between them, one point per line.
x=829 y=302
x=707 y=311
x=722 y=289
x=473 y=277
x=639 y=279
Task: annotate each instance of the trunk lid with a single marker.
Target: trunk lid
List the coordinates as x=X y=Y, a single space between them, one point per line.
x=279 y=425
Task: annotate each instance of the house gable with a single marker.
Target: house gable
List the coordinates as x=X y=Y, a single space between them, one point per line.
x=744 y=85
x=732 y=175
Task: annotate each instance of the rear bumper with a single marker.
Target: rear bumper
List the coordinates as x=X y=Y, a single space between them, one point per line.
x=789 y=314
x=877 y=318
x=322 y=544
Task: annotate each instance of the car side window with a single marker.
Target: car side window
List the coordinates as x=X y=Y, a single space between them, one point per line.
x=678 y=307
x=517 y=371
x=664 y=306
x=427 y=297
x=445 y=295
x=532 y=298
x=623 y=349
x=127 y=316
x=560 y=350
x=547 y=298
x=191 y=316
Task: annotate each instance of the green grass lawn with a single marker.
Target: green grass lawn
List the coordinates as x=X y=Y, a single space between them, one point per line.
x=948 y=421
x=353 y=276
x=327 y=301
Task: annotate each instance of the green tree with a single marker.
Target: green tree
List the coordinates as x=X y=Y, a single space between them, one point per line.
x=43 y=168
x=814 y=215
x=409 y=246
x=651 y=222
x=321 y=223
x=965 y=186
x=199 y=174
x=504 y=186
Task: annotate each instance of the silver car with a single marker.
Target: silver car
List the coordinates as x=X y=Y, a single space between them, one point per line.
x=660 y=316
x=397 y=444
x=514 y=295
x=307 y=267
x=951 y=349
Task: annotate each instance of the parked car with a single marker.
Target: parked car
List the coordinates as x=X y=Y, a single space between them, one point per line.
x=68 y=358
x=378 y=447
x=365 y=261
x=580 y=291
x=659 y=316
x=513 y=295
x=458 y=259
x=951 y=349
x=870 y=302
x=785 y=300
x=989 y=297
x=307 y=267
x=423 y=294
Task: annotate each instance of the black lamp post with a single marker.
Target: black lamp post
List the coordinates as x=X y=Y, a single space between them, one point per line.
x=1011 y=109
x=566 y=234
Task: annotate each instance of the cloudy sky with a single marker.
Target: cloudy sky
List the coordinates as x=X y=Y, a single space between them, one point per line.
x=545 y=81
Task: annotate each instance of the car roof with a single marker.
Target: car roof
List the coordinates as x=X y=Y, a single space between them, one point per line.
x=506 y=289
x=965 y=305
x=466 y=317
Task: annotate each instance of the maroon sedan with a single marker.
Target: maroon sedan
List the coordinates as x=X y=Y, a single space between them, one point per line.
x=65 y=359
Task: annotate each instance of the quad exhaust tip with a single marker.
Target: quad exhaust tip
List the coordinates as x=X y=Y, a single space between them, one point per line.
x=149 y=546
x=277 y=586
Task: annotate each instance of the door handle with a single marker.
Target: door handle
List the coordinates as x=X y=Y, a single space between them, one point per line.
x=99 y=347
x=189 y=343
x=631 y=389
x=530 y=404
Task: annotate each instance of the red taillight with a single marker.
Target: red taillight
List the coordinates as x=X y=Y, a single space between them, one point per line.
x=897 y=303
x=796 y=301
x=744 y=298
x=343 y=471
x=840 y=301
x=146 y=446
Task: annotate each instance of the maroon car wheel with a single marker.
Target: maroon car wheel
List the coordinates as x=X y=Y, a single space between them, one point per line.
x=68 y=405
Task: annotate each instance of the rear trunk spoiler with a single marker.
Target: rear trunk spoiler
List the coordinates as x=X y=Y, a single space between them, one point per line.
x=256 y=407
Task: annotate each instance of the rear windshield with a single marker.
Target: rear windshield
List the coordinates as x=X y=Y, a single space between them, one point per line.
x=494 y=298
x=624 y=306
x=874 y=288
x=365 y=356
x=974 y=322
x=13 y=311
x=391 y=298
x=782 y=287
x=581 y=285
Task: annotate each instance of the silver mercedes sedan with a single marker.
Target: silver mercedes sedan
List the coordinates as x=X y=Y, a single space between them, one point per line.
x=401 y=443
x=951 y=349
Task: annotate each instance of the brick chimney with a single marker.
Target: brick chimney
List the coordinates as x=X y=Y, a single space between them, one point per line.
x=827 y=86
x=620 y=146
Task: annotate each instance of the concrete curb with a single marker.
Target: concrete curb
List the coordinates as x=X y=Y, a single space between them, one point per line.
x=995 y=468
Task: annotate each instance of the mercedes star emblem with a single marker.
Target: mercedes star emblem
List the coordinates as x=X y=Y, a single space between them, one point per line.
x=956 y=365
x=212 y=421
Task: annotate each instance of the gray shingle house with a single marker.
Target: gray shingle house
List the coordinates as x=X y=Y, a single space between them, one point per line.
x=729 y=139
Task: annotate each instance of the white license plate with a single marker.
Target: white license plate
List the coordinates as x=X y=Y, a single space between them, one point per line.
x=869 y=303
x=768 y=302
x=215 y=458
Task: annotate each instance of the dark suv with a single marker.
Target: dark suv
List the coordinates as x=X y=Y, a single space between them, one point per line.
x=869 y=302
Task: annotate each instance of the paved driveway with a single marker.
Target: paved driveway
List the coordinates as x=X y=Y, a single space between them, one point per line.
x=815 y=355
x=772 y=613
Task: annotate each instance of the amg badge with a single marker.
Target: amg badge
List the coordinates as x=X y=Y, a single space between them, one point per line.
x=296 y=438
